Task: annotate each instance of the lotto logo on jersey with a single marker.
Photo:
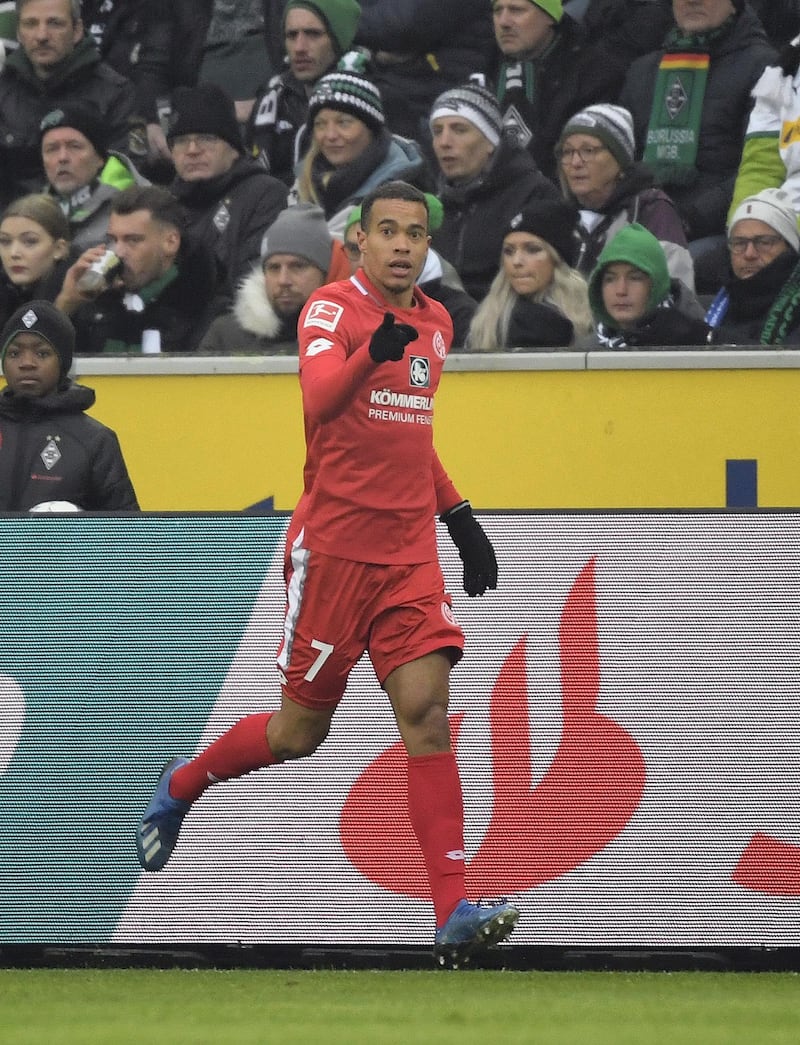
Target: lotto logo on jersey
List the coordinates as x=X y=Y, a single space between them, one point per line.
x=325 y=314
x=419 y=372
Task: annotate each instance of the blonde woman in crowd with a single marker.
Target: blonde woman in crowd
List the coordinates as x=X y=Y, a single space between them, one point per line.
x=34 y=251
x=537 y=299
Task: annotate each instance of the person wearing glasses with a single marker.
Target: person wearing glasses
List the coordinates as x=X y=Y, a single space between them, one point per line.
x=229 y=198
x=595 y=154
x=760 y=302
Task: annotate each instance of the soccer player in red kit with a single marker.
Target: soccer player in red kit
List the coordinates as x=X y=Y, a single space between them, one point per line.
x=362 y=570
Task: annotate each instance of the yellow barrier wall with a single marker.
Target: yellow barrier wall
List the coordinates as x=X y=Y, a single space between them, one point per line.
x=572 y=438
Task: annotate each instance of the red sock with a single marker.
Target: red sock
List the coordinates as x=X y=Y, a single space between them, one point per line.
x=436 y=810
x=241 y=750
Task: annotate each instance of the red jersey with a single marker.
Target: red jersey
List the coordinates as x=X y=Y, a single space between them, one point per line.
x=372 y=480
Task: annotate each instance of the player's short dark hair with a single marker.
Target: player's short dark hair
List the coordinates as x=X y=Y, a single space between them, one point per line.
x=163 y=206
x=392 y=190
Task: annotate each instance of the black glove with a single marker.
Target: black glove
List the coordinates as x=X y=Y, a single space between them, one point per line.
x=390 y=339
x=474 y=549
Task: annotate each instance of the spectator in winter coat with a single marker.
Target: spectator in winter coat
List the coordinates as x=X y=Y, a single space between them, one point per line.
x=83 y=174
x=316 y=34
x=161 y=297
x=760 y=302
x=351 y=149
x=298 y=255
x=54 y=66
x=690 y=102
x=595 y=156
x=229 y=198
x=484 y=180
x=537 y=299
x=34 y=251
x=50 y=450
x=635 y=302
x=551 y=66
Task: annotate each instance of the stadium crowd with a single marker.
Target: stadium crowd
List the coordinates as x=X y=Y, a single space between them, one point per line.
x=539 y=130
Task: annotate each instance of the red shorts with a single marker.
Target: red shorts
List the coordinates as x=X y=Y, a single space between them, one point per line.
x=337 y=609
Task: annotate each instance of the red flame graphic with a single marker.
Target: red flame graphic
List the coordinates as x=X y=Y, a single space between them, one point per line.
x=587 y=796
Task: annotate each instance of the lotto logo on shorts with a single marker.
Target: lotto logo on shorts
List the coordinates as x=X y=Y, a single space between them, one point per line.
x=419 y=372
x=325 y=314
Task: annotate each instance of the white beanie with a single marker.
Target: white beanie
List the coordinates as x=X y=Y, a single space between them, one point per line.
x=774 y=208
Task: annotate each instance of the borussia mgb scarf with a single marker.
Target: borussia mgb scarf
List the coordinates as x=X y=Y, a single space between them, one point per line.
x=673 y=132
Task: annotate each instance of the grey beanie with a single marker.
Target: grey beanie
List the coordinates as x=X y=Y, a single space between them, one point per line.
x=474 y=104
x=610 y=124
x=300 y=230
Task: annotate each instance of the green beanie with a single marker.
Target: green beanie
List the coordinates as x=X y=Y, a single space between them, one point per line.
x=637 y=246
x=340 y=16
x=435 y=214
x=554 y=8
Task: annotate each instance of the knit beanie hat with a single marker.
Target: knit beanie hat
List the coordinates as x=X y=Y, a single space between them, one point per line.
x=49 y=322
x=300 y=230
x=637 y=246
x=554 y=8
x=350 y=93
x=472 y=103
x=205 y=109
x=554 y=221
x=610 y=124
x=774 y=208
x=340 y=18
x=82 y=117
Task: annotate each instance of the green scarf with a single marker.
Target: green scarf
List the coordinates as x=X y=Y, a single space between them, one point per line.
x=148 y=294
x=785 y=312
x=674 y=129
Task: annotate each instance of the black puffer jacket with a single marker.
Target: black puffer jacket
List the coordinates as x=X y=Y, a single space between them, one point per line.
x=50 y=450
x=25 y=99
x=231 y=213
x=738 y=57
x=476 y=215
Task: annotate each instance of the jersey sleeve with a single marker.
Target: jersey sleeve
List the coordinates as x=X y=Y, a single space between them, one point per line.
x=333 y=364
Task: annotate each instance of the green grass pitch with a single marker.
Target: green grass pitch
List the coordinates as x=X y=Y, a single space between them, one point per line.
x=240 y=1007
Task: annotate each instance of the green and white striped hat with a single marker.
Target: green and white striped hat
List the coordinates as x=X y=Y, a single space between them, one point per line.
x=346 y=92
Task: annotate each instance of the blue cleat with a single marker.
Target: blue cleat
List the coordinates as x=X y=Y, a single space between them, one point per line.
x=158 y=829
x=472 y=929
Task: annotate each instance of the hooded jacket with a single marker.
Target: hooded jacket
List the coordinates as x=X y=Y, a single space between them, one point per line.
x=25 y=99
x=253 y=327
x=674 y=316
x=476 y=215
x=50 y=450
x=636 y=199
x=738 y=58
